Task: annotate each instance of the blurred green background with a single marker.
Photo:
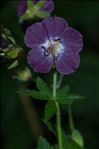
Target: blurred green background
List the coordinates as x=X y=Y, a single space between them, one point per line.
x=17 y=116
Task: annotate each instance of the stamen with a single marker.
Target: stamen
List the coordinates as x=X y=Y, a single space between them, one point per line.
x=53 y=47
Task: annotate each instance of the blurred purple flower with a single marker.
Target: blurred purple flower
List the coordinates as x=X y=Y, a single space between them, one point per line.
x=47 y=7
x=53 y=43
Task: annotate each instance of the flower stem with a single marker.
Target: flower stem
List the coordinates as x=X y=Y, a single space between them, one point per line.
x=71 y=124
x=54 y=84
x=60 y=81
x=58 y=114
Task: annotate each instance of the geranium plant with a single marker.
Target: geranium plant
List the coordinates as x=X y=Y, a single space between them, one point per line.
x=53 y=47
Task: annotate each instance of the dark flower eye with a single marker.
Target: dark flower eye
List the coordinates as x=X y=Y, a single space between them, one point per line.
x=46 y=51
x=53 y=43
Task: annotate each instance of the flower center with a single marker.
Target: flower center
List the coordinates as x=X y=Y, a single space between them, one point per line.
x=53 y=47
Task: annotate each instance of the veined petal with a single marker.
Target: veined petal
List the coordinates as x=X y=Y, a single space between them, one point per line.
x=55 y=26
x=35 y=35
x=39 y=61
x=72 y=39
x=67 y=63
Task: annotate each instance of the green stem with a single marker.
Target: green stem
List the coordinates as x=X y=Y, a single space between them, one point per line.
x=54 y=84
x=71 y=124
x=60 y=81
x=58 y=114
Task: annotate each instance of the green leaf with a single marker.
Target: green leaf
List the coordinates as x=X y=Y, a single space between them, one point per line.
x=4 y=36
x=50 y=109
x=11 y=39
x=7 y=32
x=43 y=87
x=43 y=143
x=13 y=65
x=68 y=143
x=33 y=93
x=73 y=98
x=69 y=99
x=77 y=137
x=62 y=93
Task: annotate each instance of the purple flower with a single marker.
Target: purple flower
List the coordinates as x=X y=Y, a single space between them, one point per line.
x=47 y=7
x=53 y=43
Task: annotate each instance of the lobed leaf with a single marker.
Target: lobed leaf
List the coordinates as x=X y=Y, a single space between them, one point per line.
x=63 y=92
x=43 y=87
x=33 y=93
x=50 y=109
x=69 y=99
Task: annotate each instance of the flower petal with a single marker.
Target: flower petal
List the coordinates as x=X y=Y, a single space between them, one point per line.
x=48 y=6
x=55 y=26
x=67 y=63
x=21 y=7
x=35 y=35
x=38 y=61
x=72 y=39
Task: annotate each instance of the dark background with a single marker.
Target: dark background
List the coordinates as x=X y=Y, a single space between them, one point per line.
x=20 y=118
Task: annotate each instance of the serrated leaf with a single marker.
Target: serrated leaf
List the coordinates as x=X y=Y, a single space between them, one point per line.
x=43 y=143
x=62 y=93
x=69 y=99
x=73 y=98
x=43 y=87
x=33 y=93
x=50 y=109
x=13 y=65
